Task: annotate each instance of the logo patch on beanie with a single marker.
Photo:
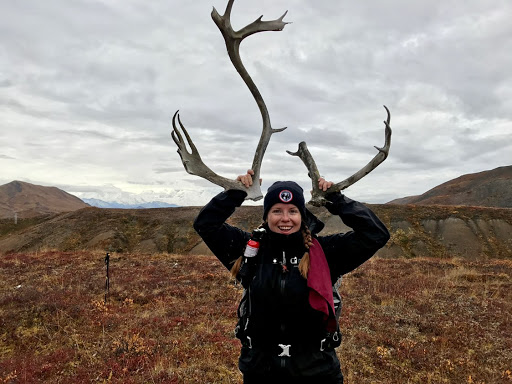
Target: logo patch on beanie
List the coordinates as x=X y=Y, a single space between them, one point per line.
x=285 y=196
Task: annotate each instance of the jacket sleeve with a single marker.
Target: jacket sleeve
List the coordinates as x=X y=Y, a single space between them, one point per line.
x=225 y=241
x=346 y=251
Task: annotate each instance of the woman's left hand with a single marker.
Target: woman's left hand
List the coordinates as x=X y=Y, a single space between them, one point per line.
x=247 y=178
x=323 y=184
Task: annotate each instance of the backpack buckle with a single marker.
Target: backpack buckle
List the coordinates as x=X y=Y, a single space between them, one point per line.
x=322 y=344
x=285 y=350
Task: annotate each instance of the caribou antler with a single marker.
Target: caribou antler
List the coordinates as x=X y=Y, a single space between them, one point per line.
x=191 y=160
x=317 y=195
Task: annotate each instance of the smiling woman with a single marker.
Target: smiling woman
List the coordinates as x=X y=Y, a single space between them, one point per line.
x=288 y=272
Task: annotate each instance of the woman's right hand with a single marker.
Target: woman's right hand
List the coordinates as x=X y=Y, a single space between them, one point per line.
x=247 y=178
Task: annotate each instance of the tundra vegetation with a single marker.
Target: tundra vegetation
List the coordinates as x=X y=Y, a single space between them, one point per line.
x=169 y=318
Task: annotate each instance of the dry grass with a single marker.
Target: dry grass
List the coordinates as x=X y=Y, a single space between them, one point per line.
x=428 y=321
x=169 y=319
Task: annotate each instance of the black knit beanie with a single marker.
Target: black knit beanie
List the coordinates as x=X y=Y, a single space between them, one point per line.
x=287 y=192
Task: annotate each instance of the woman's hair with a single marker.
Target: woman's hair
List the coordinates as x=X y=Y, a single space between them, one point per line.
x=308 y=242
x=236 y=267
x=304 y=261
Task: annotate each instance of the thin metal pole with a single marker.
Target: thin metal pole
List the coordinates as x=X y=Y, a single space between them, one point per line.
x=107 y=277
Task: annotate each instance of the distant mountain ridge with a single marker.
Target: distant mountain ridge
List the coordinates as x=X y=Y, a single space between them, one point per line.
x=483 y=189
x=431 y=226
x=29 y=200
x=114 y=204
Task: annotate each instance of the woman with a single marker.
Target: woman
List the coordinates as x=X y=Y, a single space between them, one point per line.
x=287 y=324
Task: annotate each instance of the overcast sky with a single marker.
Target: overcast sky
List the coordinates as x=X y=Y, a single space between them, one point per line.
x=88 y=89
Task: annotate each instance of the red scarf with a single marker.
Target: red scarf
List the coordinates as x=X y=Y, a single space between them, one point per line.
x=320 y=286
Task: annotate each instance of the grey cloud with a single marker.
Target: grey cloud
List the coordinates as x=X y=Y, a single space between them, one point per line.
x=478 y=147
x=108 y=76
x=166 y=170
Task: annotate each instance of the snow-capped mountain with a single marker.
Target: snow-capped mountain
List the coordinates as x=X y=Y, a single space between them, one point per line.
x=114 y=204
x=110 y=196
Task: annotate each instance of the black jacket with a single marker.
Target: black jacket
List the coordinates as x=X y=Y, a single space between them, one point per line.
x=279 y=308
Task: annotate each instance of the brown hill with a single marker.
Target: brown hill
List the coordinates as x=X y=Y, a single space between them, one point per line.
x=29 y=200
x=483 y=189
x=426 y=225
x=440 y=231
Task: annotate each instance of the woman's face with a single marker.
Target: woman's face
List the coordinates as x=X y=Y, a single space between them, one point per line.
x=284 y=218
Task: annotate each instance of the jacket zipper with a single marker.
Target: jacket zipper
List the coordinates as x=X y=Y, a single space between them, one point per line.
x=283 y=285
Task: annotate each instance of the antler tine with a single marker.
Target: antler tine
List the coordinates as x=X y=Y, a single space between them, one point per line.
x=186 y=156
x=317 y=195
x=194 y=164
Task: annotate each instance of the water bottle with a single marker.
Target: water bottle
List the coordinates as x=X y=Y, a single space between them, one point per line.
x=252 y=248
x=253 y=245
